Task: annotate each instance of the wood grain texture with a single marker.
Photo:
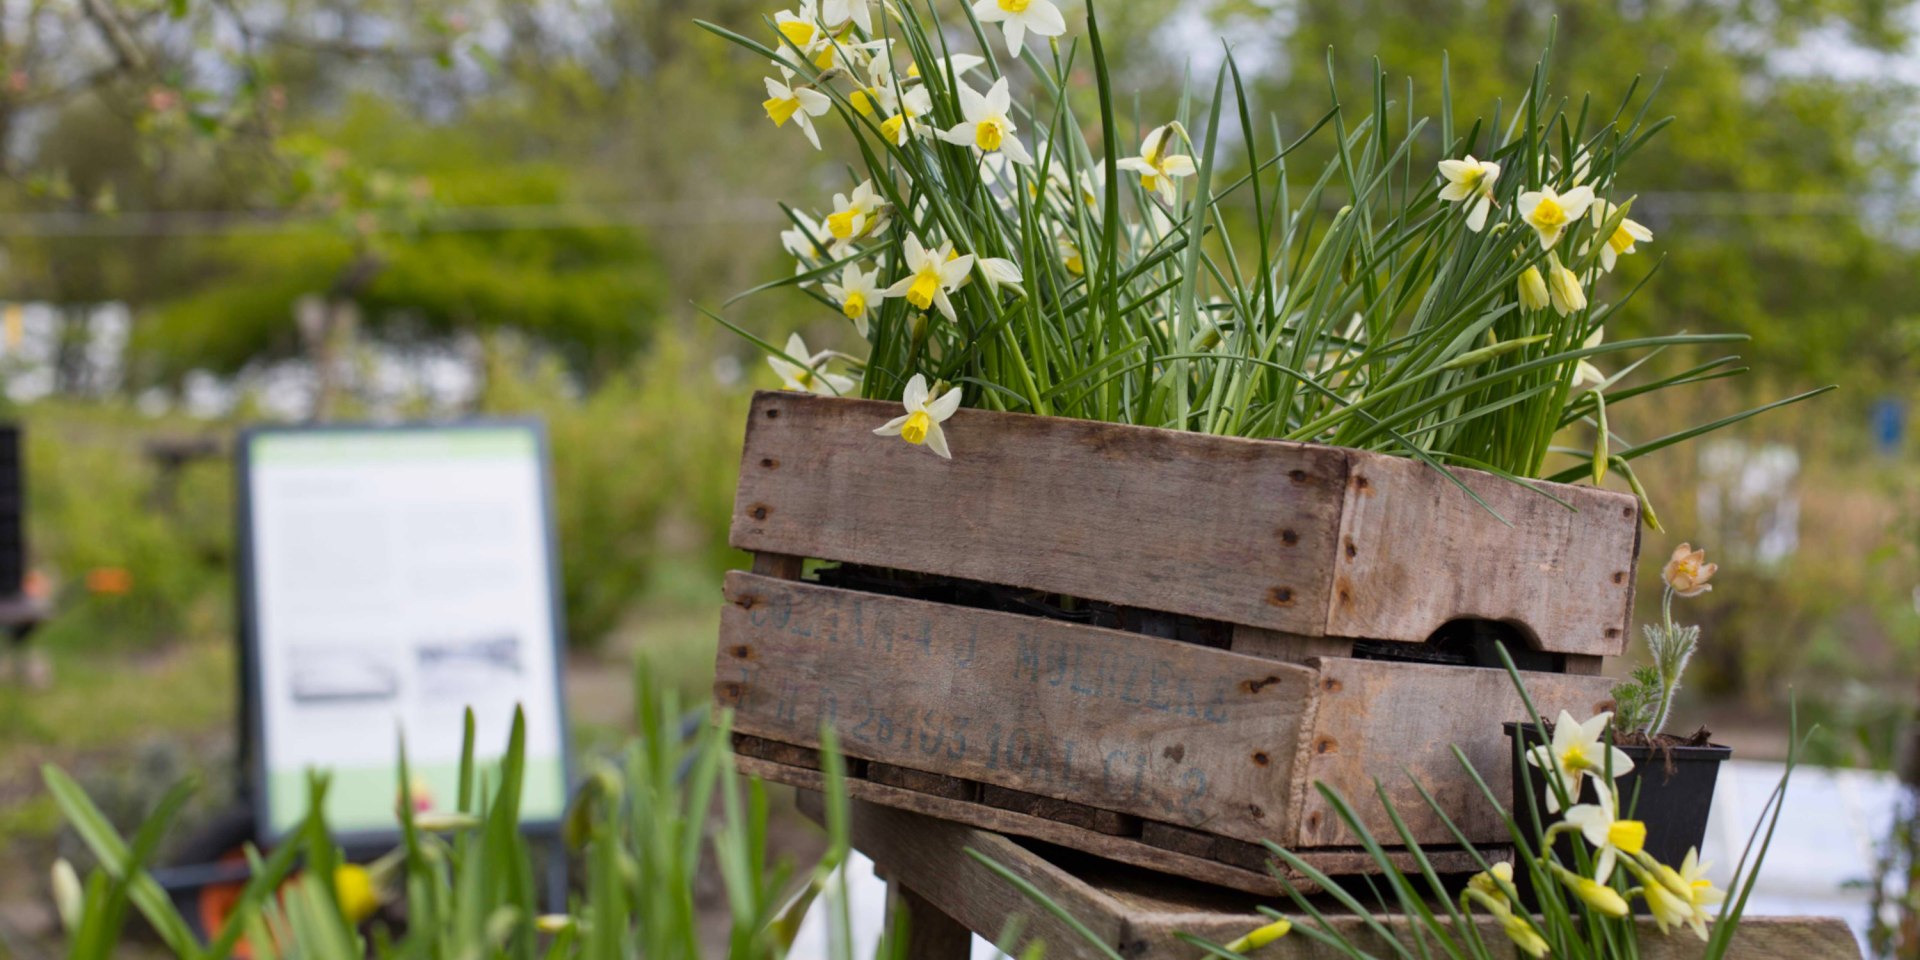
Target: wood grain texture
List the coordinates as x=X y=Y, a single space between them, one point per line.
x=1415 y=553
x=930 y=933
x=1138 y=914
x=1378 y=720
x=1066 y=811
x=1140 y=725
x=1216 y=527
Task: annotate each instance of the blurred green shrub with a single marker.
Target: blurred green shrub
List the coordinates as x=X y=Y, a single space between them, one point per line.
x=129 y=555
x=644 y=466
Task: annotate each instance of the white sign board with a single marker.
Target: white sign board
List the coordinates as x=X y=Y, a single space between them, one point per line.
x=391 y=579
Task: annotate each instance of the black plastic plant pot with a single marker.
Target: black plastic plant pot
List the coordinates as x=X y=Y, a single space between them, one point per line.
x=1670 y=789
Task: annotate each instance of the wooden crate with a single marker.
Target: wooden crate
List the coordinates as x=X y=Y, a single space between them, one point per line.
x=1145 y=644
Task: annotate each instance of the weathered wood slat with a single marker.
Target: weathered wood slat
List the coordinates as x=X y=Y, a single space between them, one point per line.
x=1222 y=528
x=1138 y=915
x=1066 y=811
x=1416 y=553
x=1154 y=728
x=1377 y=720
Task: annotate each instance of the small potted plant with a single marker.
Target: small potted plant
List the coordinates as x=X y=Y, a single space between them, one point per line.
x=1664 y=780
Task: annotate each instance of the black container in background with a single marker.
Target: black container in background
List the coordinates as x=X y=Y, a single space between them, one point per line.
x=13 y=520
x=1674 y=788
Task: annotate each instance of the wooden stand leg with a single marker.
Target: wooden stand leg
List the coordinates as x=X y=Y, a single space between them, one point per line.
x=931 y=934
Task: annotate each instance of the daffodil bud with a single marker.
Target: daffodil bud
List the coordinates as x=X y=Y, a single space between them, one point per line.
x=1261 y=936
x=1533 y=289
x=69 y=898
x=1591 y=892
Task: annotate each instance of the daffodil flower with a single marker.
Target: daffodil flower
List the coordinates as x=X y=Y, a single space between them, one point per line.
x=1688 y=571
x=806 y=375
x=1020 y=17
x=1488 y=881
x=955 y=66
x=1605 y=832
x=1591 y=892
x=931 y=275
x=921 y=423
x=987 y=126
x=1533 y=289
x=799 y=104
x=1550 y=213
x=1563 y=288
x=1260 y=936
x=1070 y=255
x=1482 y=889
x=1157 y=168
x=354 y=890
x=914 y=104
x=1624 y=237
x=1677 y=897
x=1576 y=751
x=837 y=12
x=880 y=95
x=1585 y=372
x=857 y=215
x=1001 y=272
x=803 y=30
x=1471 y=181
x=856 y=293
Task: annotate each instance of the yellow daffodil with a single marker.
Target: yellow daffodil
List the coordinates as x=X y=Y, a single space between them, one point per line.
x=804 y=371
x=904 y=124
x=857 y=293
x=1488 y=881
x=1608 y=834
x=1471 y=181
x=1591 y=892
x=856 y=215
x=1677 y=897
x=1688 y=571
x=838 y=12
x=1625 y=235
x=987 y=126
x=1001 y=272
x=1585 y=372
x=1260 y=937
x=1576 y=751
x=931 y=275
x=1550 y=213
x=1563 y=288
x=1021 y=17
x=1533 y=289
x=1157 y=168
x=1070 y=255
x=353 y=888
x=802 y=29
x=799 y=104
x=921 y=423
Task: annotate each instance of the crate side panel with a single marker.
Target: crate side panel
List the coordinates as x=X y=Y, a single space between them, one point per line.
x=1380 y=720
x=1135 y=724
x=1222 y=528
x=1417 y=552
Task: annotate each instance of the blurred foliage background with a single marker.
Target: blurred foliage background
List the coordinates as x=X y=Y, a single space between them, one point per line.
x=216 y=211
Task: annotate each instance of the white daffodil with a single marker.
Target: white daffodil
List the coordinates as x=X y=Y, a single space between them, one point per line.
x=1070 y=255
x=1020 y=17
x=931 y=275
x=881 y=94
x=1576 y=751
x=1471 y=181
x=1607 y=833
x=914 y=104
x=1623 y=239
x=857 y=293
x=1001 y=272
x=799 y=104
x=955 y=66
x=1585 y=372
x=807 y=241
x=921 y=423
x=1564 y=288
x=1158 y=168
x=987 y=126
x=803 y=30
x=1533 y=289
x=806 y=375
x=857 y=215
x=838 y=12
x=1550 y=213
x=1677 y=897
